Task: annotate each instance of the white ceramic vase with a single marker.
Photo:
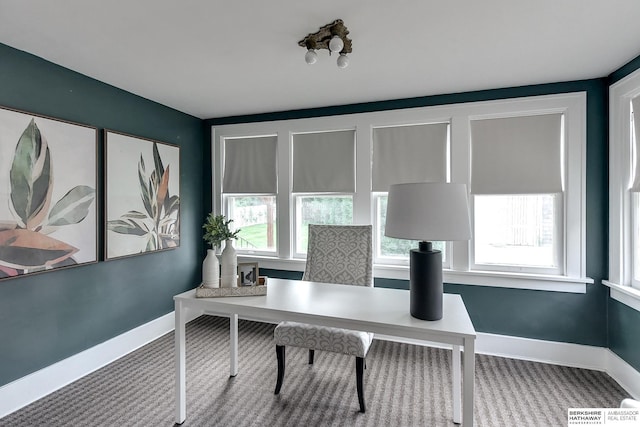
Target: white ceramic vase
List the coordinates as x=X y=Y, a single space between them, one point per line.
x=211 y=270
x=229 y=266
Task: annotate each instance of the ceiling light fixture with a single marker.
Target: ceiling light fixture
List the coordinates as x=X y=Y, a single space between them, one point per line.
x=336 y=44
x=332 y=37
x=311 y=57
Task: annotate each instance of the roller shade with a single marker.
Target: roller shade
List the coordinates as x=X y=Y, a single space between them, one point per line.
x=635 y=186
x=324 y=162
x=250 y=165
x=517 y=155
x=405 y=154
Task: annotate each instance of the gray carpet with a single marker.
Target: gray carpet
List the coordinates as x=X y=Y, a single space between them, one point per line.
x=405 y=385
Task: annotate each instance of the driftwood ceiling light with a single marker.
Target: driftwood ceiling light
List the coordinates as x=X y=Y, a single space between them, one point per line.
x=332 y=37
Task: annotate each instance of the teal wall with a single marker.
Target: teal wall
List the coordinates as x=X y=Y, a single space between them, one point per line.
x=554 y=316
x=624 y=331
x=624 y=322
x=47 y=317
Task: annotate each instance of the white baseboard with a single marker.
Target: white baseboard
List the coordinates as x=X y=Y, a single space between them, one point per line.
x=32 y=387
x=624 y=374
x=565 y=354
x=557 y=353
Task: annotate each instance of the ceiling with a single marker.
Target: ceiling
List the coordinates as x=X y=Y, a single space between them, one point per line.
x=218 y=58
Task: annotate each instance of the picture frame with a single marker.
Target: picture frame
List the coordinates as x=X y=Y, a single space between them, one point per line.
x=48 y=190
x=142 y=195
x=248 y=273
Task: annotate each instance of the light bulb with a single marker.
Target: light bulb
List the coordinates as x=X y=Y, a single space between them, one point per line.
x=343 y=61
x=311 y=57
x=336 y=44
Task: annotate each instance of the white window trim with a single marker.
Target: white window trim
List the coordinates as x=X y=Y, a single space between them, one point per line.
x=624 y=294
x=620 y=95
x=538 y=282
x=573 y=105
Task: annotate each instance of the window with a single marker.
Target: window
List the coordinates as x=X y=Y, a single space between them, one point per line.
x=405 y=154
x=323 y=169
x=249 y=185
x=523 y=161
x=624 y=185
x=634 y=179
x=516 y=180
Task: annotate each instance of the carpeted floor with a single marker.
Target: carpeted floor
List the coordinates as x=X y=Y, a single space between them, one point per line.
x=405 y=385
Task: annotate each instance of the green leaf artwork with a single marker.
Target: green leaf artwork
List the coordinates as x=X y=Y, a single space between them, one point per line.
x=25 y=243
x=158 y=222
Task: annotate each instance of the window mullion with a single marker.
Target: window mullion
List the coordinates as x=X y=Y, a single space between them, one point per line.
x=459 y=155
x=284 y=212
x=363 y=199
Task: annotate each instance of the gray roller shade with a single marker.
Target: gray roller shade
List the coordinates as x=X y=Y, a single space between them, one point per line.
x=405 y=154
x=324 y=162
x=517 y=155
x=250 y=165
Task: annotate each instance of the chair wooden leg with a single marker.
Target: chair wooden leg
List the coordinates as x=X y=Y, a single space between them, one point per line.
x=280 y=355
x=359 y=375
x=311 y=353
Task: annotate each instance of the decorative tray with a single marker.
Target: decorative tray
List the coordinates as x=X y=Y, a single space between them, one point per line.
x=240 y=291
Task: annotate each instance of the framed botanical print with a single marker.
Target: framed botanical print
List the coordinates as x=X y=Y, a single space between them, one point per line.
x=48 y=216
x=142 y=186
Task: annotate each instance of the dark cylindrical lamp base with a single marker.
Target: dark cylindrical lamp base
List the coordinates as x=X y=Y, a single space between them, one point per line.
x=425 y=283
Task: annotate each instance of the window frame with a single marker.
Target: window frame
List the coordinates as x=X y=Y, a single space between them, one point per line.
x=375 y=197
x=560 y=219
x=226 y=208
x=222 y=205
x=572 y=105
x=620 y=278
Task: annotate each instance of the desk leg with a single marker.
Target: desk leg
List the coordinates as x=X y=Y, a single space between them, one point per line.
x=468 y=381
x=233 y=345
x=180 y=360
x=457 y=392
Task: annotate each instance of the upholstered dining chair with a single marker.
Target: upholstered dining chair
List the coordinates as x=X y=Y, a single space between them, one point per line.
x=336 y=254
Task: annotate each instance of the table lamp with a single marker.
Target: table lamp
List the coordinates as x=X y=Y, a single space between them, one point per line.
x=427 y=212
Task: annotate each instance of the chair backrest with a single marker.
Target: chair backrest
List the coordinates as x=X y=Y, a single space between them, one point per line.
x=340 y=254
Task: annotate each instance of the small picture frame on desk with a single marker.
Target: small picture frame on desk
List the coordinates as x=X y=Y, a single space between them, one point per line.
x=248 y=273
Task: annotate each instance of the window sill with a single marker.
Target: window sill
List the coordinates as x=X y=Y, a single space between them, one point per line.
x=538 y=282
x=625 y=294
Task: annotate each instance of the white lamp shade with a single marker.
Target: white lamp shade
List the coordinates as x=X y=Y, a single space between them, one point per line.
x=336 y=44
x=428 y=211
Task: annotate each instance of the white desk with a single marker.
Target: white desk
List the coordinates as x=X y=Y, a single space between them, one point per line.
x=379 y=310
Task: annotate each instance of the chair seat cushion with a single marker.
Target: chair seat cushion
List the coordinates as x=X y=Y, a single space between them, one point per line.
x=316 y=337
